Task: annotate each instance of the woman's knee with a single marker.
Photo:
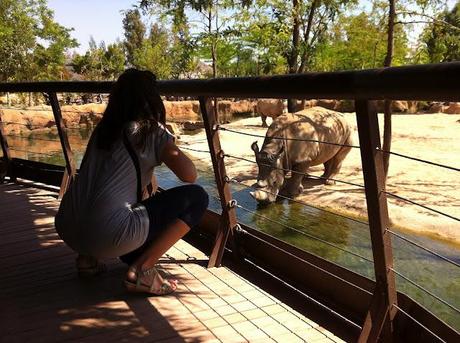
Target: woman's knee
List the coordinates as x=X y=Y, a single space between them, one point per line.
x=198 y=200
x=198 y=197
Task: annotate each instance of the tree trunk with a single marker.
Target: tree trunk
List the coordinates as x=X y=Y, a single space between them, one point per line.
x=213 y=57
x=387 y=113
x=292 y=59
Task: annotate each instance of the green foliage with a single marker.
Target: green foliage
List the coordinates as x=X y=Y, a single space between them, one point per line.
x=134 y=32
x=359 y=42
x=32 y=45
x=442 y=38
x=154 y=53
x=100 y=62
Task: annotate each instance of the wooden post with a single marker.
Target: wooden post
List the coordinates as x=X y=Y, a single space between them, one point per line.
x=378 y=323
x=6 y=151
x=228 y=218
x=69 y=173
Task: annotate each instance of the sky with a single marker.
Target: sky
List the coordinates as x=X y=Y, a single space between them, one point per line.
x=102 y=19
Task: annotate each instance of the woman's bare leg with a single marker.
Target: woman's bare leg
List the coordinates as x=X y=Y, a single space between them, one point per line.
x=175 y=231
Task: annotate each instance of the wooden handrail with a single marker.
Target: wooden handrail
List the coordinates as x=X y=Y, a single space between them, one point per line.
x=436 y=82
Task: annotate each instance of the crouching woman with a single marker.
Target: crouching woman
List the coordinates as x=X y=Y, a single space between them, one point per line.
x=102 y=214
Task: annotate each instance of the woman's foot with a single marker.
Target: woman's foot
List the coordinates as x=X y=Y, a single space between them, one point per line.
x=88 y=266
x=149 y=281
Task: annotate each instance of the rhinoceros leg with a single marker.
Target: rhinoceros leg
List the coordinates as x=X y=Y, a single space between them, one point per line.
x=293 y=185
x=264 y=120
x=334 y=165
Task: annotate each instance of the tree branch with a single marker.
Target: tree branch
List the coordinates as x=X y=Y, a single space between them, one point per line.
x=433 y=19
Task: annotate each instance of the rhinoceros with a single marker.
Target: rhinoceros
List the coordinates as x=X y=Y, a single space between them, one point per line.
x=297 y=151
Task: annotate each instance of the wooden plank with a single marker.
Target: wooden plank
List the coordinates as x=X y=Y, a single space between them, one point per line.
x=65 y=144
x=42 y=297
x=228 y=217
x=378 y=322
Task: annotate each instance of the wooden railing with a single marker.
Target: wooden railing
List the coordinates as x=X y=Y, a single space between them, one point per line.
x=438 y=82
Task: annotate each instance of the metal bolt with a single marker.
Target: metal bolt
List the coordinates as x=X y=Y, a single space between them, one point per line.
x=232 y=203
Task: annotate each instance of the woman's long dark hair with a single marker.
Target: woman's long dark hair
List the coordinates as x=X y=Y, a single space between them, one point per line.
x=134 y=97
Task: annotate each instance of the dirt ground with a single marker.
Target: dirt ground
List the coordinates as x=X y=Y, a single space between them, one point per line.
x=432 y=137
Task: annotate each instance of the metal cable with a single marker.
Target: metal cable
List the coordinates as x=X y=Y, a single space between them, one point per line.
x=306 y=295
x=425 y=290
x=295 y=172
x=33 y=152
x=418 y=159
x=423 y=248
x=285 y=138
x=191 y=149
x=420 y=205
x=306 y=234
x=418 y=323
x=302 y=203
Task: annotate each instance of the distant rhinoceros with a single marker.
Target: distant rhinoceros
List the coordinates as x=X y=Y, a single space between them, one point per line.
x=297 y=152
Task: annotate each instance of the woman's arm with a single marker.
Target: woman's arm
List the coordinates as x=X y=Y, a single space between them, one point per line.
x=179 y=163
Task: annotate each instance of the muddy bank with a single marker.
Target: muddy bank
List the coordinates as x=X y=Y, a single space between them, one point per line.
x=432 y=137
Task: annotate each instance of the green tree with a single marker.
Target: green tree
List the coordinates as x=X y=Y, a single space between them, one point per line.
x=100 y=62
x=32 y=45
x=359 y=42
x=441 y=38
x=134 y=31
x=154 y=53
x=114 y=60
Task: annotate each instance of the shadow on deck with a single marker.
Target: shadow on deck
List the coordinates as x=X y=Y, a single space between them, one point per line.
x=43 y=299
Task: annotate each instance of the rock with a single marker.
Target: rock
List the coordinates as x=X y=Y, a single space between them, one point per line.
x=328 y=104
x=14 y=122
x=192 y=126
x=346 y=106
x=454 y=108
x=436 y=107
x=397 y=106
x=182 y=110
x=243 y=107
x=270 y=107
x=173 y=129
x=412 y=107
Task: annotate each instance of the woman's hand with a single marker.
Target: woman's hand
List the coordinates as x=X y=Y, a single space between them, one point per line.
x=179 y=163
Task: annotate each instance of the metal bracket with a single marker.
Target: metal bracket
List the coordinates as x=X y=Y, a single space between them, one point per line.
x=227 y=179
x=232 y=203
x=237 y=228
x=216 y=127
x=221 y=154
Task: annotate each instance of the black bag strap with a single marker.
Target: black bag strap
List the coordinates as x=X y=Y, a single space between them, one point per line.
x=135 y=160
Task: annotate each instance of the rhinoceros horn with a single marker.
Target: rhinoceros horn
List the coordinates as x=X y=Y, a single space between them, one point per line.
x=255 y=147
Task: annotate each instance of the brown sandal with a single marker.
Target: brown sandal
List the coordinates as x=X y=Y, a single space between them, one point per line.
x=149 y=275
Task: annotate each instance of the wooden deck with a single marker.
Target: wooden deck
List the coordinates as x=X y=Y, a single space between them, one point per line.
x=43 y=300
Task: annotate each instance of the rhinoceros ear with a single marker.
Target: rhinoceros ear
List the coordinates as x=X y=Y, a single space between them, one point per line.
x=255 y=147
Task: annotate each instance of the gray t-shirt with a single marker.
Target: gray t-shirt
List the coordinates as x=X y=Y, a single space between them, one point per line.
x=98 y=215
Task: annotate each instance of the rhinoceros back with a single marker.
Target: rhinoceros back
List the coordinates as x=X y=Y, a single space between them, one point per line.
x=311 y=126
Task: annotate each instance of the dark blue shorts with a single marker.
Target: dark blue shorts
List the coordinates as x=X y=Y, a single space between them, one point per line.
x=187 y=203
